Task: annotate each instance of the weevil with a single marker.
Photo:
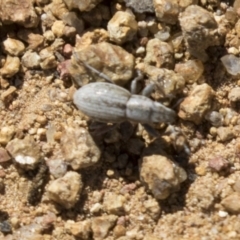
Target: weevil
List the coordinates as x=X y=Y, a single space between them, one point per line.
x=109 y=103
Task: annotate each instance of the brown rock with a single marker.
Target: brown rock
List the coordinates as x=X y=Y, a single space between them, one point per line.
x=194 y=107
x=11 y=66
x=26 y=152
x=232 y=203
x=102 y=225
x=66 y=190
x=4 y=156
x=122 y=27
x=218 y=163
x=34 y=40
x=21 y=12
x=78 y=148
x=79 y=229
x=109 y=59
x=161 y=175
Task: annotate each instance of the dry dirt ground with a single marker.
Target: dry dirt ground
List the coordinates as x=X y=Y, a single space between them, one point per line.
x=114 y=201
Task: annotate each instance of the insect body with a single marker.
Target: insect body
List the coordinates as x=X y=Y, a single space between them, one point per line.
x=106 y=102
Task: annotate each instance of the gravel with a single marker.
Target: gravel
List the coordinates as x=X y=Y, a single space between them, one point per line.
x=63 y=176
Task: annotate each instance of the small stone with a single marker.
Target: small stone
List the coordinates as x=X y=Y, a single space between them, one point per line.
x=167 y=11
x=26 y=152
x=232 y=203
x=225 y=133
x=218 y=163
x=34 y=41
x=8 y=94
x=11 y=66
x=234 y=94
x=168 y=83
x=231 y=64
x=20 y=12
x=66 y=190
x=122 y=27
x=79 y=149
x=4 y=156
x=81 y=229
x=102 y=225
x=119 y=231
x=48 y=59
x=191 y=70
x=6 y=134
x=194 y=107
x=13 y=47
x=153 y=208
x=109 y=59
x=57 y=28
x=222 y=214
x=31 y=60
x=215 y=118
x=57 y=167
x=161 y=175
x=140 y=6
x=72 y=19
x=82 y=5
x=197 y=21
x=159 y=53
x=114 y=203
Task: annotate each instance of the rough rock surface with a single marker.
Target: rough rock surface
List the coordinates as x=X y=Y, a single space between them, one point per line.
x=20 y=12
x=195 y=106
x=66 y=190
x=25 y=152
x=79 y=149
x=109 y=59
x=161 y=175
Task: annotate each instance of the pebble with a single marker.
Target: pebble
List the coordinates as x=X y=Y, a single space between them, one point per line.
x=34 y=40
x=197 y=21
x=80 y=229
x=166 y=11
x=191 y=70
x=10 y=67
x=222 y=214
x=215 y=118
x=78 y=148
x=19 y=13
x=232 y=203
x=48 y=59
x=57 y=167
x=58 y=28
x=13 y=47
x=114 y=203
x=225 y=133
x=159 y=54
x=109 y=59
x=102 y=225
x=122 y=27
x=140 y=6
x=26 y=152
x=152 y=208
x=31 y=60
x=6 y=134
x=161 y=175
x=218 y=163
x=4 y=156
x=8 y=94
x=167 y=81
x=71 y=19
x=231 y=64
x=195 y=106
x=234 y=94
x=83 y=6
x=66 y=190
